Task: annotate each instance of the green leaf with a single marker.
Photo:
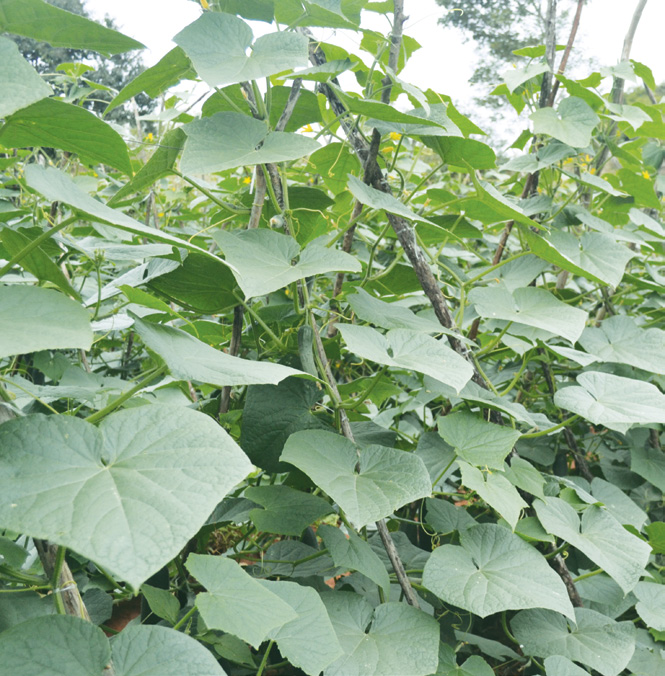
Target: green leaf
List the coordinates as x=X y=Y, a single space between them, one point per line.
x=524 y=475
x=562 y=666
x=476 y=441
x=287 y=511
x=461 y=152
x=445 y=517
x=619 y=339
x=376 y=199
x=54 y=645
x=572 y=123
x=599 y=536
x=473 y=666
x=624 y=510
x=41 y=21
x=596 y=640
x=271 y=414
x=532 y=306
x=146 y=480
x=264 y=259
x=353 y=553
x=308 y=642
x=201 y=284
x=392 y=639
x=495 y=489
x=656 y=533
x=191 y=359
x=57 y=186
x=235 y=602
x=494 y=570
x=651 y=604
x=228 y=140
x=410 y=350
x=217 y=45
x=35 y=319
x=168 y=71
x=162 y=603
x=502 y=208
x=594 y=255
x=159 y=165
x=20 y=82
x=613 y=401
x=37 y=262
x=140 y=650
x=386 y=479
x=514 y=77
x=649 y=463
x=55 y=124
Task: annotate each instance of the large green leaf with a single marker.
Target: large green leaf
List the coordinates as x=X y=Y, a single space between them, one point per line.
x=562 y=666
x=572 y=123
x=309 y=642
x=44 y=22
x=492 y=571
x=473 y=666
x=532 y=306
x=619 y=339
x=495 y=489
x=460 y=151
x=287 y=511
x=151 y=650
x=352 y=552
x=368 y=484
x=168 y=71
x=35 y=319
x=54 y=645
x=228 y=140
x=57 y=186
x=392 y=639
x=217 y=45
x=594 y=255
x=409 y=350
x=651 y=604
x=376 y=199
x=613 y=401
x=271 y=414
x=265 y=261
x=55 y=124
x=598 y=535
x=649 y=463
x=146 y=481
x=20 y=82
x=159 y=165
x=596 y=640
x=476 y=441
x=191 y=359
x=201 y=284
x=235 y=602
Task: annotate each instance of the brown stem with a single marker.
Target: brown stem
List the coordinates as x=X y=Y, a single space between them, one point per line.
x=566 y=53
x=234 y=348
x=564 y=574
x=291 y=102
x=550 y=51
x=259 y=197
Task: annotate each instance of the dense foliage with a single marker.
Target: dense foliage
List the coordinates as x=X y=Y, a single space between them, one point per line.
x=310 y=382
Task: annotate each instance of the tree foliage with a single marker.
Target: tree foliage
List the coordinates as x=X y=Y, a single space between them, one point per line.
x=323 y=385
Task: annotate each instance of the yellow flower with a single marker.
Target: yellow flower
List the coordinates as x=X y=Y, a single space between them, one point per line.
x=160 y=214
x=307 y=127
x=205 y=4
x=592 y=171
x=247 y=180
x=387 y=149
x=150 y=137
x=645 y=173
x=587 y=158
x=395 y=136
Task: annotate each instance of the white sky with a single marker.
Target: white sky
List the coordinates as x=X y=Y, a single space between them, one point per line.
x=445 y=63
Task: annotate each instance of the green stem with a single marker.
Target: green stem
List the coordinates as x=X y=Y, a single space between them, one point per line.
x=264 y=661
x=494 y=267
x=507 y=631
x=359 y=401
x=29 y=248
x=587 y=575
x=102 y=413
x=260 y=321
x=210 y=196
x=185 y=618
x=549 y=430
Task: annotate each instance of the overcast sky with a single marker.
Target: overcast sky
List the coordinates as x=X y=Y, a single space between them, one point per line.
x=445 y=62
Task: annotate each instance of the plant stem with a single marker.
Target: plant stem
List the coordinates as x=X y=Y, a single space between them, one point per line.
x=264 y=661
x=185 y=618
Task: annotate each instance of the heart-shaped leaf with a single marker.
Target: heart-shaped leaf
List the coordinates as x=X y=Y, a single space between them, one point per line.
x=572 y=123
x=128 y=495
x=385 y=478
